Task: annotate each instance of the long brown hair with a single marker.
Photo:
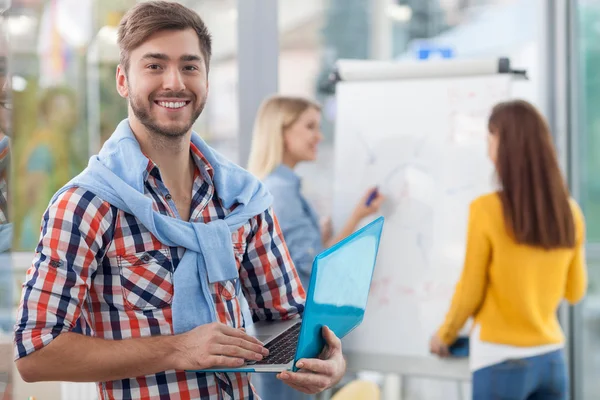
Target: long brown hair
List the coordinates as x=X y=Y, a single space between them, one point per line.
x=275 y=115
x=534 y=195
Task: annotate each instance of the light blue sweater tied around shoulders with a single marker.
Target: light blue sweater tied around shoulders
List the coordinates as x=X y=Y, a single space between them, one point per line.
x=117 y=175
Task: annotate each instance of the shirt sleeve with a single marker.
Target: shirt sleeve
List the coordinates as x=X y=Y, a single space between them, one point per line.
x=577 y=274
x=470 y=289
x=73 y=237
x=301 y=236
x=270 y=280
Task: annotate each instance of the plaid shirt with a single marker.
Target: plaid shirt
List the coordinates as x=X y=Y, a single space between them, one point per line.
x=99 y=265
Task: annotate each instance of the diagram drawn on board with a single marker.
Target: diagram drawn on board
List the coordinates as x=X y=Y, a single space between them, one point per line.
x=424 y=143
x=399 y=181
x=386 y=288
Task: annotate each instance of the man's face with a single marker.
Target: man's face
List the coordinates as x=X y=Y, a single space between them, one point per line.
x=166 y=83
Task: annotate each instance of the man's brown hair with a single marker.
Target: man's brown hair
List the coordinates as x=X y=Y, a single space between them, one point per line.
x=147 y=18
x=534 y=195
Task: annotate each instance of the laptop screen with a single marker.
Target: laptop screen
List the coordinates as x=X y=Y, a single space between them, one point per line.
x=339 y=288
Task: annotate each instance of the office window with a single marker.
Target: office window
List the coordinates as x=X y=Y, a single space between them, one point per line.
x=63 y=56
x=587 y=53
x=66 y=105
x=315 y=34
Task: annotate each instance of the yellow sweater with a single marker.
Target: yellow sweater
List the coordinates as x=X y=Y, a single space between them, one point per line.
x=513 y=290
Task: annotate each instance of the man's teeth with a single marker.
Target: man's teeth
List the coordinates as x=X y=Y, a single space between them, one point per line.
x=170 y=104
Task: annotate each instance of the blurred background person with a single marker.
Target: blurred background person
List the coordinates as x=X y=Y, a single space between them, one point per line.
x=525 y=254
x=47 y=161
x=286 y=133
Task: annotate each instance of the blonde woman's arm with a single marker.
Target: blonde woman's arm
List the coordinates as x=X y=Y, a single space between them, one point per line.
x=361 y=210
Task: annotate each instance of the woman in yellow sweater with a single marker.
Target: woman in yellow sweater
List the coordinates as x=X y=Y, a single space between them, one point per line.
x=525 y=254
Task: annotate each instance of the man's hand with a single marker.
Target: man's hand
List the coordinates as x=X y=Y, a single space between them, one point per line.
x=90 y=359
x=316 y=375
x=216 y=345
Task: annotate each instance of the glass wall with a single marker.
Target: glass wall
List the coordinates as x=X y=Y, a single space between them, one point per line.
x=586 y=51
x=65 y=99
x=315 y=34
x=64 y=54
x=50 y=141
x=6 y=279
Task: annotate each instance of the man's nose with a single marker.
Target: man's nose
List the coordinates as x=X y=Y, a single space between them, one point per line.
x=173 y=80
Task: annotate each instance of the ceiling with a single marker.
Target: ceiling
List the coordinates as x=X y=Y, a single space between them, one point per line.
x=299 y=23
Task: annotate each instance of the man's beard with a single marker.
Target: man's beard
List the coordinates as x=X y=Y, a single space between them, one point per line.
x=143 y=115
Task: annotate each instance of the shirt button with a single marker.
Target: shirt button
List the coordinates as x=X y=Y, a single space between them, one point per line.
x=168 y=196
x=146 y=258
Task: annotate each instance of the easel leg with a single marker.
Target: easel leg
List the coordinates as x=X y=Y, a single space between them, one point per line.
x=460 y=391
x=324 y=395
x=392 y=387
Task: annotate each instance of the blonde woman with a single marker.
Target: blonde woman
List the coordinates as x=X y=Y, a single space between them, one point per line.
x=286 y=133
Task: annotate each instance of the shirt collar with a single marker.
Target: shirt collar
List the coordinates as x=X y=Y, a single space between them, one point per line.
x=284 y=172
x=201 y=162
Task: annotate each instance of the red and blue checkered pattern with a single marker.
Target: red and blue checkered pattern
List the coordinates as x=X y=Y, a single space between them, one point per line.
x=96 y=264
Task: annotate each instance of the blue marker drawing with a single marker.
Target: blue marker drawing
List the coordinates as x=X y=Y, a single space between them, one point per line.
x=372 y=196
x=372 y=158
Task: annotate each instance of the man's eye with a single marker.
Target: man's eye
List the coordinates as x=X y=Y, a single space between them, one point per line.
x=6 y=105
x=191 y=68
x=154 y=66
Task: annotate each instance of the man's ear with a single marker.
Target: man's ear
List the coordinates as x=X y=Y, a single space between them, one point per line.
x=122 y=86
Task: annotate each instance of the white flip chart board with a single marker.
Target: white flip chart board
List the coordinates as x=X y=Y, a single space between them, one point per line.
x=423 y=141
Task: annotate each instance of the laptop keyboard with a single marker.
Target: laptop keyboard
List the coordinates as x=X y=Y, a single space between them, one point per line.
x=281 y=349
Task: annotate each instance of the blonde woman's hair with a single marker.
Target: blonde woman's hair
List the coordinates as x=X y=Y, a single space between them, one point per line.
x=275 y=115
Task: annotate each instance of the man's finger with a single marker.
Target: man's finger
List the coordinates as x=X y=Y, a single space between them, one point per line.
x=309 y=380
x=304 y=389
x=326 y=353
x=224 y=361
x=237 y=333
x=333 y=341
x=294 y=386
x=244 y=344
x=316 y=366
x=235 y=351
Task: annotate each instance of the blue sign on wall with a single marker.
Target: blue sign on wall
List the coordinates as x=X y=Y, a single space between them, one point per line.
x=425 y=51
